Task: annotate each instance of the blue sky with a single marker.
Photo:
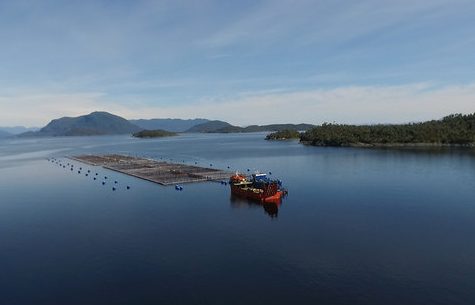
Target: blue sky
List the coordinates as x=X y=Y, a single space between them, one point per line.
x=242 y=61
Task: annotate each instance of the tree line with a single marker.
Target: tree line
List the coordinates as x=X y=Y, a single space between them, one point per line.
x=455 y=129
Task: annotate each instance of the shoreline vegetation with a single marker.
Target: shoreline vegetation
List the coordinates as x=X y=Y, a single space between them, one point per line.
x=455 y=130
x=287 y=134
x=158 y=133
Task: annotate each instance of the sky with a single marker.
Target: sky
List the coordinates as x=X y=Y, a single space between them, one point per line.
x=245 y=62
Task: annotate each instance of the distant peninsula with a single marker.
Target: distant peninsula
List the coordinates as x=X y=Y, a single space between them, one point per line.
x=158 y=133
x=175 y=125
x=224 y=127
x=4 y=134
x=452 y=130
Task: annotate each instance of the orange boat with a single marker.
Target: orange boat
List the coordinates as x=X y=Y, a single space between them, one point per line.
x=257 y=187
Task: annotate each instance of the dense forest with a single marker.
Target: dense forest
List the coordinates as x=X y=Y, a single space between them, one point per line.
x=285 y=134
x=455 y=129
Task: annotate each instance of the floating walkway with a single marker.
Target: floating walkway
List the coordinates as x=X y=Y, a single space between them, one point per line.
x=164 y=173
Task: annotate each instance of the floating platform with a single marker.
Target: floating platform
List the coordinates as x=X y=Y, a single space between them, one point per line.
x=164 y=173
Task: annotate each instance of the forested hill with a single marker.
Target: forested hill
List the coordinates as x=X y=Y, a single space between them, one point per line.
x=96 y=123
x=455 y=129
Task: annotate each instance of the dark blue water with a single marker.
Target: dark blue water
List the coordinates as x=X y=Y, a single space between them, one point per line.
x=359 y=226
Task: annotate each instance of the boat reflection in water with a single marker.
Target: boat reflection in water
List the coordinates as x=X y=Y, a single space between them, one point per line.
x=271 y=208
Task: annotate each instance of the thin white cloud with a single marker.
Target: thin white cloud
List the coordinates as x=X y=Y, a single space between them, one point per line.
x=355 y=104
x=318 y=22
x=351 y=104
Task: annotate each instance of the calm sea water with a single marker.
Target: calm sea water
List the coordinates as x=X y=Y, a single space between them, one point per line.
x=359 y=226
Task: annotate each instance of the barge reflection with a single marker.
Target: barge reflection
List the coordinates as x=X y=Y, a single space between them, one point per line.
x=271 y=208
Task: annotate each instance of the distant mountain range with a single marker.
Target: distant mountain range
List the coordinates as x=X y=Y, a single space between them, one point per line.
x=104 y=123
x=96 y=123
x=175 y=125
x=224 y=127
x=17 y=129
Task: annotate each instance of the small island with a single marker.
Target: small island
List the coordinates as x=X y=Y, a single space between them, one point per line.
x=158 y=133
x=286 y=134
x=452 y=130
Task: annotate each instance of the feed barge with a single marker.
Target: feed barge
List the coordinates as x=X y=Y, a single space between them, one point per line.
x=257 y=187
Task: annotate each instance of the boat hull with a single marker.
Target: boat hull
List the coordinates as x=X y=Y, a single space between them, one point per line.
x=270 y=194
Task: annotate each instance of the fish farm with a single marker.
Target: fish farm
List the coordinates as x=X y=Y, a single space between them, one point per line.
x=160 y=172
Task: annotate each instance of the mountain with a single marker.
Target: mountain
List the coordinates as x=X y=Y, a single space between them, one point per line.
x=224 y=127
x=96 y=123
x=4 y=134
x=210 y=126
x=175 y=125
x=18 y=129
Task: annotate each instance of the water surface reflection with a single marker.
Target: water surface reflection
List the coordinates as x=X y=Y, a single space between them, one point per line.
x=271 y=208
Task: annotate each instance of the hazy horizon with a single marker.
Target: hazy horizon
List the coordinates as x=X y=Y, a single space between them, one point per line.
x=252 y=62
x=241 y=125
